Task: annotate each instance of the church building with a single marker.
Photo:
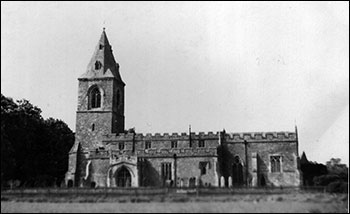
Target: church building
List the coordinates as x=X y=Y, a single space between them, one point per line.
x=105 y=155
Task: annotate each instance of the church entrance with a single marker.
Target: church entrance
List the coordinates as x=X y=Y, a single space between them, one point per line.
x=123 y=178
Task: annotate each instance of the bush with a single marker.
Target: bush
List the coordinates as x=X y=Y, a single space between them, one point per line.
x=337 y=187
x=324 y=180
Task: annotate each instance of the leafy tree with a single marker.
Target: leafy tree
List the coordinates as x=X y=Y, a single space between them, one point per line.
x=336 y=168
x=337 y=178
x=33 y=150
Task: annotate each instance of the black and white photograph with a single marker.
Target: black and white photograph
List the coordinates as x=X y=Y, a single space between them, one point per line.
x=180 y=106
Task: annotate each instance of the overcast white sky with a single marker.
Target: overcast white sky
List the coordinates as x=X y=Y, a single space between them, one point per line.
x=242 y=66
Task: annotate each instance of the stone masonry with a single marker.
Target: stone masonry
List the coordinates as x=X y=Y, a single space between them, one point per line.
x=104 y=155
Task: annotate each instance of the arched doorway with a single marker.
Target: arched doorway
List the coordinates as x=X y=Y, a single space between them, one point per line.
x=93 y=184
x=123 y=177
x=70 y=183
x=237 y=172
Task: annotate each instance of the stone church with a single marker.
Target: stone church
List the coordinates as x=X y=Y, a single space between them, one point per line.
x=105 y=155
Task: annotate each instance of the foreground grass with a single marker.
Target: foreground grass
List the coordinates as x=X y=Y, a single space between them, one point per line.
x=295 y=202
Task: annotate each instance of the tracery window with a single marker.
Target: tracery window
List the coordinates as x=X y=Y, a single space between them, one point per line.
x=173 y=144
x=203 y=167
x=148 y=144
x=166 y=171
x=201 y=143
x=275 y=162
x=237 y=171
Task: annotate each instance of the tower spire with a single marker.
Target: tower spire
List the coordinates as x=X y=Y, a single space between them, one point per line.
x=102 y=63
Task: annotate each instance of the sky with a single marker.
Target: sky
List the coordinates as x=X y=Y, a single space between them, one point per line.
x=238 y=66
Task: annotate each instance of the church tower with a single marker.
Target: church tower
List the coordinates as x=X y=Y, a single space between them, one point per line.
x=100 y=98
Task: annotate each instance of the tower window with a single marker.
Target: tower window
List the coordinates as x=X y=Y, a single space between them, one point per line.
x=93 y=127
x=95 y=98
x=201 y=143
x=101 y=47
x=98 y=65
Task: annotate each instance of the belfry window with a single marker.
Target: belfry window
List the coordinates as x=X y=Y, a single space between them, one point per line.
x=94 y=98
x=275 y=162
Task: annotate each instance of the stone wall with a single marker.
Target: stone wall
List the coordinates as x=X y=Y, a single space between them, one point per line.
x=219 y=152
x=109 y=118
x=259 y=147
x=89 y=138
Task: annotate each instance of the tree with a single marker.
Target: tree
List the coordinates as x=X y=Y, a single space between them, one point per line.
x=311 y=170
x=33 y=150
x=337 y=178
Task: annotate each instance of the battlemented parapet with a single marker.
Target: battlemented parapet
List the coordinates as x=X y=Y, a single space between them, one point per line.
x=261 y=137
x=159 y=136
x=184 y=144
x=164 y=145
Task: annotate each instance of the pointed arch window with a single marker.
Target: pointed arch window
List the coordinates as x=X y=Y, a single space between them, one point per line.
x=94 y=98
x=276 y=162
x=237 y=172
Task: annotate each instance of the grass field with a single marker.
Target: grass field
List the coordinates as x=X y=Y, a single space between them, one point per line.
x=237 y=203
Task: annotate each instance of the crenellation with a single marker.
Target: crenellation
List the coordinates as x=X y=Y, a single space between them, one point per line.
x=247 y=136
x=139 y=135
x=261 y=136
x=258 y=136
